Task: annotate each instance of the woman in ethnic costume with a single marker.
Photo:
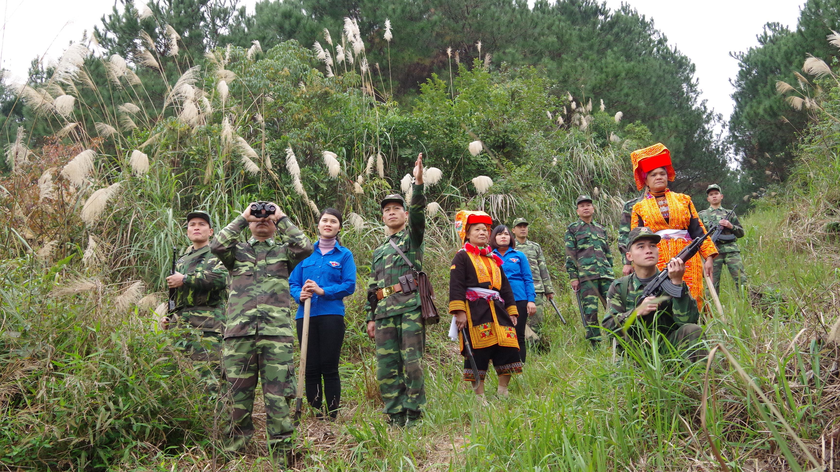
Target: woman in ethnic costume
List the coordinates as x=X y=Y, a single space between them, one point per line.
x=481 y=299
x=671 y=215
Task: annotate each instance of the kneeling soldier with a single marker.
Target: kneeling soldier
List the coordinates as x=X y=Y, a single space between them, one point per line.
x=676 y=318
x=259 y=341
x=199 y=290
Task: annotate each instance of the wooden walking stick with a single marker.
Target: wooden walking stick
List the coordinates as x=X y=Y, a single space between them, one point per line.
x=715 y=297
x=304 y=347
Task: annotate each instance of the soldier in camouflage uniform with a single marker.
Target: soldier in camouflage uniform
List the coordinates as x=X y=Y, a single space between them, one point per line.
x=393 y=316
x=727 y=247
x=539 y=271
x=258 y=340
x=199 y=285
x=624 y=231
x=590 y=265
x=675 y=318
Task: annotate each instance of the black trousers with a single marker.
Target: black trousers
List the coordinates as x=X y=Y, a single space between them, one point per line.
x=522 y=308
x=326 y=335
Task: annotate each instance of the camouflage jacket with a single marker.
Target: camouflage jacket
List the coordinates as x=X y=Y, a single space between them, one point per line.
x=201 y=300
x=386 y=266
x=625 y=294
x=624 y=228
x=588 y=254
x=259 y=301
x=536 y=259
x=726 y=244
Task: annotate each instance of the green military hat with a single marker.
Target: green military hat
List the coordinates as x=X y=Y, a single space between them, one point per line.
x=200 y=214
x=642 y=232
x=392 y=198
x=583 y=198
x=520 y=221
x=713 y=187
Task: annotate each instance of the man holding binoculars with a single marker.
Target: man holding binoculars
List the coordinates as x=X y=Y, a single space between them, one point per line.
x=258 y=336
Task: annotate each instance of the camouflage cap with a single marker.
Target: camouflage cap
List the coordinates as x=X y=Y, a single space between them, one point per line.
x=642 y=232
x=520 y=221
x=713 y=187
x=200 y=214
x=392 y=198
x=583 y=198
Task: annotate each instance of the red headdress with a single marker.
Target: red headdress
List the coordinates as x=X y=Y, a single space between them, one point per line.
x=649 y=158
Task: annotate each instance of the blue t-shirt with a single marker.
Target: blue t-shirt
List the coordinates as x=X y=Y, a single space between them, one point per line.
x=335 y=272
x=518 y=272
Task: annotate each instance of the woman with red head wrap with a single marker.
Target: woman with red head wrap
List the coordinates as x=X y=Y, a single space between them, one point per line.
x=671 y=215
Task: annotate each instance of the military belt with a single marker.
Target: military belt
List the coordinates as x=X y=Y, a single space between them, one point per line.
x=388 y=291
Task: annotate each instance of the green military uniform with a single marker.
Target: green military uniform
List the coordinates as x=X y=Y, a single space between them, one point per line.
x=258 y=337
x=199 y=308
x=728 y=251
x=399 y=327
x=539 y=271
x=676 y=318
x=624 y=227
x=589 y=261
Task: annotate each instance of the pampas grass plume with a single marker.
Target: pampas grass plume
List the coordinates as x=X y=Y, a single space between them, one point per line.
x=147 y=59
x=46 y=252
x=162 y=309
x=64 y=105
x=327 y=37
x=475 y=148
x=380 y=165
x=795 y=102
x=292 y=164
x=172 y=36
x=46 y=189
x=129 y=108
x=314 y=207
x=226 y=75
x=97 y=202
x=105 y=130
x=405 y=183
x=222 y=87
x=482 y=183
x=356 y=221
x=432 y=175
x=130 y=296
x=253 y=50
x=66 y=130
x=357 y=188
x=816 y=67
x=75 y=286
x=433 y=208
x=388 y=36
x=834 y=38
x=618 y=116
x=331 y=161
x=602 y=105
x=91 y=256
x=148 y=302
x=139 y=162
x=783 y=87
x=78 y=169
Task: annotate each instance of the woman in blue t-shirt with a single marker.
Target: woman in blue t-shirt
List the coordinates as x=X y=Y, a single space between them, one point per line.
x=327 y=276
x=518 y=273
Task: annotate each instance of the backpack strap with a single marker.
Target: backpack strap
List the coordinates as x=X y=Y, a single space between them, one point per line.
x=399 y=251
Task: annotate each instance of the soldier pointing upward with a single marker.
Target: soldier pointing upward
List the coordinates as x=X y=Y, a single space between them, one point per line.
x=393 y=308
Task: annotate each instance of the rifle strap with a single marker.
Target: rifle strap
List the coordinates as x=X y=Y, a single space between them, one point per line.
x=399 y=251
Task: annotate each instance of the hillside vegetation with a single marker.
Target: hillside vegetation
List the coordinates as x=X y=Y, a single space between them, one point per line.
x=89 y=219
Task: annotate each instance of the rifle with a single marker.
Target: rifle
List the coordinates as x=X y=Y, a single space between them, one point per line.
x=468 y=349
x=719 y=229
x=172 y=272
x=655 y=285
x=558 y=311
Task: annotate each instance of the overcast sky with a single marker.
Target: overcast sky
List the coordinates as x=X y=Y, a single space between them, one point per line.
x=705 y=31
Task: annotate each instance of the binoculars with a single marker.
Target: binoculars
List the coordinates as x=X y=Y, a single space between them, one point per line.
x=262 y=209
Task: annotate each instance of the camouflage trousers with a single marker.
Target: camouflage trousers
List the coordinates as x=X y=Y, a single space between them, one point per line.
x=399 y=351
x=736 y=269
x=590 y=293
x=204 y=348
x=270 y=359
x=535 y=321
